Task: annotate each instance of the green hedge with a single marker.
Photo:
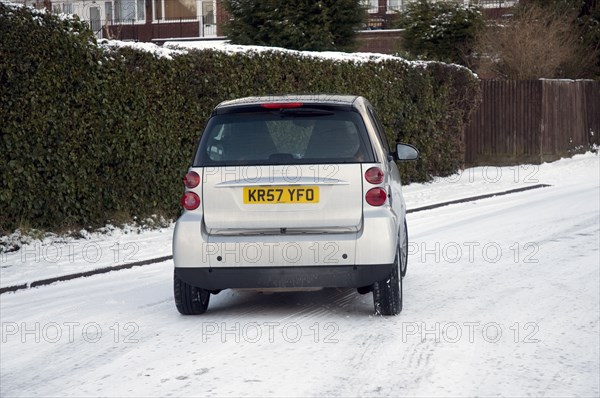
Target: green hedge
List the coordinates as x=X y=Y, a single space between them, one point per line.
x=90 y=133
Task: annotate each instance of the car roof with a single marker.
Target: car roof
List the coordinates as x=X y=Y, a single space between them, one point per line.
x=325 y=99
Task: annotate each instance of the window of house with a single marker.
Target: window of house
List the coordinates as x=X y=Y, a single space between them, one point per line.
x=141 y=10
x=174 y=10
x=129 y=11
x=208 y=13
x=95 y=22
x=67 y=7
x=108 y=11
x=395 y=5
x=372 y=5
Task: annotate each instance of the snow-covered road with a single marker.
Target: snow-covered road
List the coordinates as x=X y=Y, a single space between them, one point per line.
x=501 y=298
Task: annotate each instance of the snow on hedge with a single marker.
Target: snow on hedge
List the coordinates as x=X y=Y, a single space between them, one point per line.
x=174 y=48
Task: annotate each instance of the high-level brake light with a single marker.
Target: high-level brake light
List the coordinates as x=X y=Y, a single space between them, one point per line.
x=281 y=105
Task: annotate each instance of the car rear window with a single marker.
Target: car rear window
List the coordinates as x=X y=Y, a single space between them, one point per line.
x=291 y=136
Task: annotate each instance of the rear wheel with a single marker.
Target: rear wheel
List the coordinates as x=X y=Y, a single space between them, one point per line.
x=387 y=293
x=189 y=300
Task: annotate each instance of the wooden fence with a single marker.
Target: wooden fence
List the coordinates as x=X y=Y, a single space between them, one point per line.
x=533 y=121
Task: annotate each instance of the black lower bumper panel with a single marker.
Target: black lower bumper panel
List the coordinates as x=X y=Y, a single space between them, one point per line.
x=284 y=277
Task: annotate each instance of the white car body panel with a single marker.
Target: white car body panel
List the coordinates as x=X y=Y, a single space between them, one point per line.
x=342 y=229
x=339 y=206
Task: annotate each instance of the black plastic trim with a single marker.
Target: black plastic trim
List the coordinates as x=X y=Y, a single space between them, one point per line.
x=284 y=277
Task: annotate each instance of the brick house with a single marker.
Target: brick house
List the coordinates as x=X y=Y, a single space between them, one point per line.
x=156 y=20
x=382 y=12
x=145 y=20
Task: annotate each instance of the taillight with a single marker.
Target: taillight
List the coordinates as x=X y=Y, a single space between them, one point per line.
x=190 y=201
x=374 y=175
x=281 y=105
x=191 y=180
x=376 y=196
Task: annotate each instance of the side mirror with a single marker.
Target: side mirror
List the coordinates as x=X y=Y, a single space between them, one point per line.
x=406 y=152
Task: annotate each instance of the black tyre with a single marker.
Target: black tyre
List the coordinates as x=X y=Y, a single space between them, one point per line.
x=404 y=252
x=387 y=293
x=190 y=300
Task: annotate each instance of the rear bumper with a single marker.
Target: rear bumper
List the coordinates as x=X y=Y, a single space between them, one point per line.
x=218 y=278
x=374 y=244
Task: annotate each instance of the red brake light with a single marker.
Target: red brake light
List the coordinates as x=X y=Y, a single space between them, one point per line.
x=282 y=105
x=191 y=180
x=376 y=196
x=190 y=201
x=374 y=175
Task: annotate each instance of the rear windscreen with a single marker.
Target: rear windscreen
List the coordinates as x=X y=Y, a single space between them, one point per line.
x=291 y=136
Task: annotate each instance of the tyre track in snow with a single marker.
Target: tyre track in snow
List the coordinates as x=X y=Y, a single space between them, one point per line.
x=231 y=309
x=371 y=355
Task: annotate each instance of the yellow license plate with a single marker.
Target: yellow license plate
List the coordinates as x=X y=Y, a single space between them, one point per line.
x=286 y=194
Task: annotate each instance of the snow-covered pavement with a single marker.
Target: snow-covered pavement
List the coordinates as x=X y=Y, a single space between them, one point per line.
x=501 y=298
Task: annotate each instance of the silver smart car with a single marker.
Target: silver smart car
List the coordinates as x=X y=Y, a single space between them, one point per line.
x=292 y=192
